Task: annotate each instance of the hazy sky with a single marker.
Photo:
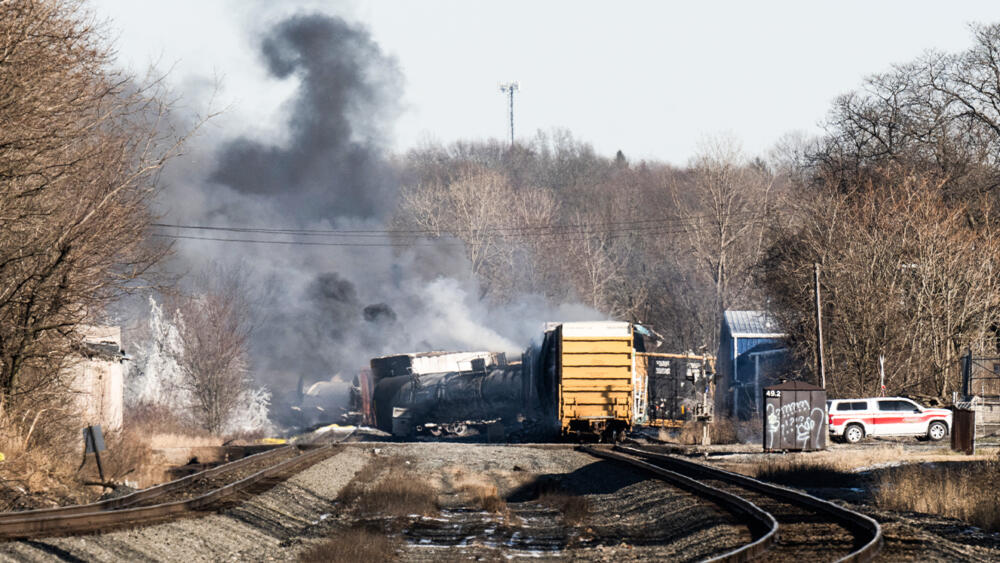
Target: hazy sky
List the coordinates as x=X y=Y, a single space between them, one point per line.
x=650 y=78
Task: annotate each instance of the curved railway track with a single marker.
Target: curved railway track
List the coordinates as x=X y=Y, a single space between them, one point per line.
x=198 y=492
x=786 y=524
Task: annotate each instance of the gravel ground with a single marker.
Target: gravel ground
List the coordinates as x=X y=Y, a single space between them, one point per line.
x=925 y=538
x=265 y=527
x=908 y=536
x=630 y=517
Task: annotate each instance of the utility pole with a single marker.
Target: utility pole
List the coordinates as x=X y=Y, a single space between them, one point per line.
x=509 y=88
x=819 y=328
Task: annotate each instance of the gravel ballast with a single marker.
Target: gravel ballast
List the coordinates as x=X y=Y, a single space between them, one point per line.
x=268 y=526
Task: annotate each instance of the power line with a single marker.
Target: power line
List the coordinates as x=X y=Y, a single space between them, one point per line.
x=527 y=230
x=297 y=242
x=422 y=240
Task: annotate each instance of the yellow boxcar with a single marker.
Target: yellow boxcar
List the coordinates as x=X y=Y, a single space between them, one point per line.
x=596 y=377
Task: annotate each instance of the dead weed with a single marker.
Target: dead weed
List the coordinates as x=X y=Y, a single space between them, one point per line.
x=389 y=487
x=963 y=490
x=354 y=545
x=574 y=508
x=483 y=495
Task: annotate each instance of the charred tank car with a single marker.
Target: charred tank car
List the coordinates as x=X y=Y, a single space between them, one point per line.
x=454 y=402
x=450 y=393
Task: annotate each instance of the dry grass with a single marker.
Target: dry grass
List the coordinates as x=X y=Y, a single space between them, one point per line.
x=574 y=508
x=723 y=431
x=483 y=495
x=151 y=428
x=161 y=441
x=826 y=461
x=750 y=431
x=399 y=495
x=42 y=449
x=689 y=434
x=966 y=491
x=354 y=545
x=127 y=457
x=802 y=473
x=166 y=428
x=388 y=487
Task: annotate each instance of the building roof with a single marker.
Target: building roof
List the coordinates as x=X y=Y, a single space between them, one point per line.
x=796 y=386
x=752 y=324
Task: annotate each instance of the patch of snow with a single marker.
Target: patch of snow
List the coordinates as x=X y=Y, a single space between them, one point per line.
x=874 y=466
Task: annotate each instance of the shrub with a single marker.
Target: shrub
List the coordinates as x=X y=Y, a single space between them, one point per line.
x=353 y=545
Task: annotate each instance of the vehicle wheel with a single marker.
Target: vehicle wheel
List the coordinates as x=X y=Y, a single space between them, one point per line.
x=854 y=433
x=937 y=430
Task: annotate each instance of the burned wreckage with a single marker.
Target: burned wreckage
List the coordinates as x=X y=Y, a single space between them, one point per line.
x=584 y=378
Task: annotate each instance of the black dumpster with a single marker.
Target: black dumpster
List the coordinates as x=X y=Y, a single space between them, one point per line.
x=794 y=417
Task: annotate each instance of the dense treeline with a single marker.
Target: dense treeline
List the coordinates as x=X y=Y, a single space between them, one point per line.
x=645 y=242
x=896 y=202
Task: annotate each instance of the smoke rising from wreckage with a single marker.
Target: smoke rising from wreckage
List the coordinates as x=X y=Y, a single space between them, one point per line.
x=325 y=308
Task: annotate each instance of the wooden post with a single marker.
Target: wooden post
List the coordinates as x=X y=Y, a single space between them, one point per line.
x=819 y=328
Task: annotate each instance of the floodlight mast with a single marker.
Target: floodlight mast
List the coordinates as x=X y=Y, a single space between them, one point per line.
x=509 y=88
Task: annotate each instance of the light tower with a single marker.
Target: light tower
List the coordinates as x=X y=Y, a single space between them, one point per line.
x=509 y=88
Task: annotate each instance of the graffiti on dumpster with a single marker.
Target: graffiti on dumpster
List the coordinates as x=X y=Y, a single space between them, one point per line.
x=796 y=423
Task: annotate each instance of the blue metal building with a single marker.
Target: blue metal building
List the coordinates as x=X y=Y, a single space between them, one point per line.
x=747 y=339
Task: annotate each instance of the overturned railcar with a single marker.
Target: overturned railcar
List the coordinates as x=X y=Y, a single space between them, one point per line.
x=451 y=402
x=424 y=363
x=679 y=387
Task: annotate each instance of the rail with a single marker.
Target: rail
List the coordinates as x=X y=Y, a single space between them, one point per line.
x=122 y=511
x=864 y=527
x=763 y=526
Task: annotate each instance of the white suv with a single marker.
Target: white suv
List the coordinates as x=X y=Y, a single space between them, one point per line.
x=853 y=419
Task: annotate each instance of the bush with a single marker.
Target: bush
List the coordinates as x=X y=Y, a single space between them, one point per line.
x=353 y=545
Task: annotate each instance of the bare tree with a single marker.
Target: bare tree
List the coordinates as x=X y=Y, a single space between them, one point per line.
x=498 y=225
x=904 y=276
x=79 y=152
x=215 y=325
x=724 y=217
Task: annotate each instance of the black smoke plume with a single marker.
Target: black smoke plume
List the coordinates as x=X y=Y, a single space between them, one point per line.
x=326 y=310
x=333 y=164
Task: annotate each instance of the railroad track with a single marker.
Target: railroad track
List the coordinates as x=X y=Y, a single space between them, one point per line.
x=198 y=492
x=786 y=524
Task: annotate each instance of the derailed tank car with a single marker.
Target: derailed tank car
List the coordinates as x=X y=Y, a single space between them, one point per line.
x=446 y=392
x=451 y=402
